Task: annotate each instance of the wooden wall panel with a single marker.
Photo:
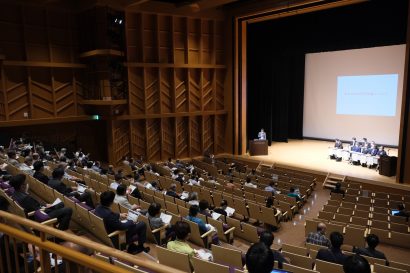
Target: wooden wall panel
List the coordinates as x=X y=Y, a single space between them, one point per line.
x=220 y=127
x=182 y=137
x=64 y=92
x=176 y=84
x=153 y=139
x=166 y=87
x=208 y=134
x=138 y=137
x=181 y=91
x=196 y=135
x=121 y=140
x=195 y=90
x=219 y=89
x=208 y=89
x=168 y=138
x=165 y=39
x=136 y=91
x=16 y=92
x=42 y=93
x=152 y=91
x=2 y=95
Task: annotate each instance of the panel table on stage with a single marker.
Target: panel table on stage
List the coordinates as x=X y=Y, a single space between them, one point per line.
x=348 y=155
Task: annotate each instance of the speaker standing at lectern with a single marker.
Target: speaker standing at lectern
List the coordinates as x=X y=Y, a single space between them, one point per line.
x=262 y=135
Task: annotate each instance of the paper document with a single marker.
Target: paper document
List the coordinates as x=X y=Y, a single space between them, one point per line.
x=133 y=215
x=216 y=215
x=184 y=195
x=166 y=218
x=204 y=255
x=53 y=261
x=230 y=211
x=132 y=188
x=81 y=188
x=56 y=202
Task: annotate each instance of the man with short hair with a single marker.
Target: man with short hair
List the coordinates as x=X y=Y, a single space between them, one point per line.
x=318 y=237
x=18 y=182
x=267 y=237
x=259 y=259
x=356 y=264
x=38 y=172
x=121 y=198
x=372 y=241
x=56 y=183
x=172 y=191
x=333 y=254
x=12 y=158
x=271 y=187
x=112 y=223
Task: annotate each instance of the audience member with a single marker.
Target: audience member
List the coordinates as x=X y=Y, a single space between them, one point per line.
x=38 y=172
x=204 y=208
x=267 y=237
x=193 y=213
x=271 y=188
x=193 y=198
x=112 y=222
x=180 y=244
x=318 y=237
x=338 y=189
x=293 y=193
x=121 y=198
x=117 y=181
x=63 y=215
x=356 y=264
x=334 y=253
x=402 y=212
x=57 y=184
x=12 y=158
x=153 y=214
x=222 y=208
x=172 y=191
x=259 y=259
x=372 y=241
x=248 y=183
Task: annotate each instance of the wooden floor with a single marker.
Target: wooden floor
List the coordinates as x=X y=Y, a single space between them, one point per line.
x=313 y=155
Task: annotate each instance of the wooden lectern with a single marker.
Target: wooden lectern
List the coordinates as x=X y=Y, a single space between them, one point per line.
x=258 y=147
x=387 y=165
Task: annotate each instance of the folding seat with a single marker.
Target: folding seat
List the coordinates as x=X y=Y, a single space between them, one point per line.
x=323 y=266
x=227 y=256
x=202 y=266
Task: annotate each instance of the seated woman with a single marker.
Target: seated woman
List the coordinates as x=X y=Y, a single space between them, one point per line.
x=180 y=244
x=155 y=220
x=193 y=198
x=193 y=213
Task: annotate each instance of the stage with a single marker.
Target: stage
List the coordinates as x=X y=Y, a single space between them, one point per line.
x=313 y=155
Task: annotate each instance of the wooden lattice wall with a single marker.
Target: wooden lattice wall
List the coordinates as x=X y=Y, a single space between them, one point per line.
x=40 y=74
x=176 y=72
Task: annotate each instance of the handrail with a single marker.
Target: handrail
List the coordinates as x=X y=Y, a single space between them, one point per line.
x=66 y=252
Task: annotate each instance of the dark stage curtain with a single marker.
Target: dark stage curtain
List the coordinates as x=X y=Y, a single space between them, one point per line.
x=276 y=58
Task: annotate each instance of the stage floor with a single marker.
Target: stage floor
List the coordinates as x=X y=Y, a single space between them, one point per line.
x=313 y=155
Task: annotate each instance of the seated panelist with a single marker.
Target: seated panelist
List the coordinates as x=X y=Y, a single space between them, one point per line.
x=262 y=135
x=338 y=144
x=381 y=151
x=354 y=141
x=356 y=147
x=373 y=149
x=365 y=146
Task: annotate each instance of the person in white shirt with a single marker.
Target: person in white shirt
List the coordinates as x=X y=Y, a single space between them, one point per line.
x=249 y=183
x=121 y=198
x=114 y=185
x=262 y=135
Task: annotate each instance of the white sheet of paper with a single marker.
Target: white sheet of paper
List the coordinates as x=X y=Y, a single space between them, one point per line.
x=132 y=188
x=216 y=215
x=56 y=202
x=81 y=188
x=184 y=195
x=133 y=215
x=53 y=261
x=166 y=218
x=230 y=211
x=204 y=255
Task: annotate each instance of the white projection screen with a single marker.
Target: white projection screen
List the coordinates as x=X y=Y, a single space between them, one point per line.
x=354 y=93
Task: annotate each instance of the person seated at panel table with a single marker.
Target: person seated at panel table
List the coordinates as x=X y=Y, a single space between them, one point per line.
x=356 y=147
x=262 y=135
x=373 y=149
x=354 y=141
x=338 y=144
x=365 y=145
x=382 y=152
